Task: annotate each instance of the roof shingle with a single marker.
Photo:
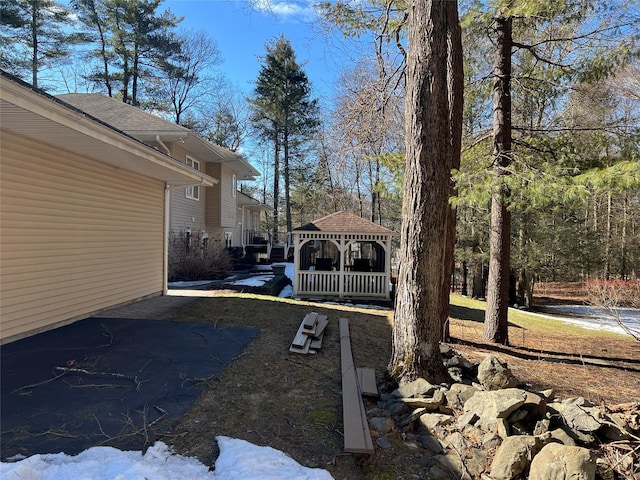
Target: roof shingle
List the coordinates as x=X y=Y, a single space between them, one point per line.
x=344 y=222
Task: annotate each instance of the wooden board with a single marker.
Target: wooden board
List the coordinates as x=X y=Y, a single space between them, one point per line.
x=316 y=342
x=357 y=437
x=367 y=381
x=321 y=324
x=301 y=338
x=309 y=321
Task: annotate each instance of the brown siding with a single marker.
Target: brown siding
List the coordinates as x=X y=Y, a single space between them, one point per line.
x=77 y=236
x=213 y=208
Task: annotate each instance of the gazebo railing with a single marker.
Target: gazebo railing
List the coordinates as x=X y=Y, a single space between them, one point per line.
x=366 y=284
x=343 y=284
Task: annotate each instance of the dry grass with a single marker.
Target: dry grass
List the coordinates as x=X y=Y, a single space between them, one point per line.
x=294 y=403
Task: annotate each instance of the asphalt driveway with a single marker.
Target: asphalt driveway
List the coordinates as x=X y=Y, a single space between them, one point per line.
x=107 y=381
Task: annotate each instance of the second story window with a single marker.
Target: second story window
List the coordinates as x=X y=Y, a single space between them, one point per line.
x=234 y=185
x=193 y=192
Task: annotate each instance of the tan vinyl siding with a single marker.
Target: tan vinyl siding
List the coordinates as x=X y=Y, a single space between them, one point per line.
x=186 y=212
x=229 y=201
x=77 y=236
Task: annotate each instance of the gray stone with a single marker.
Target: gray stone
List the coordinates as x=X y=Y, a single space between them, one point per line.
x=382 y=425
x=469 y=418
x=493 y=405
x=458 y=361
x=383 y=442
x=411 y=417
x=577 y=414
x=417 y=388
x=457 y=442
x=432 y=421
x=473 y=433
x=560 y=462
x=430 y=443
x=562 y=437
x=451 y=463
x=542 y=426
x=430 y=404
x=491 y=440
x=459 y=393
x=513 y=456
x=493 y=375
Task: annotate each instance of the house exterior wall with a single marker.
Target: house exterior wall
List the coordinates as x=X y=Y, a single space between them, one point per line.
x=222 y=217
x=187 y=212
x=77 y=236
x=213 y=208
x=229 y=219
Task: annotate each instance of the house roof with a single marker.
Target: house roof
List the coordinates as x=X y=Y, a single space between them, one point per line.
x=33 y=113
x=344 y=222
x=247 y=201
x=146 y=127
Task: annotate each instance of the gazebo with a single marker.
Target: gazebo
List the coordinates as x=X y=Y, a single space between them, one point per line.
x=342 y=255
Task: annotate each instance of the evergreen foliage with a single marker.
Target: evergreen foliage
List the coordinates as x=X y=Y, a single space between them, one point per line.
x=283 y=115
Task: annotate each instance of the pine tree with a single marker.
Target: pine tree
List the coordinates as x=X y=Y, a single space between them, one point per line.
x=283 y=114
x=33 y=36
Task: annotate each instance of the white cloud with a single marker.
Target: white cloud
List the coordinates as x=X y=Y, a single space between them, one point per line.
x=302 y=10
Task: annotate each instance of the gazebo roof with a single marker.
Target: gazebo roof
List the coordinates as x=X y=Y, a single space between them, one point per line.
x=344 y=222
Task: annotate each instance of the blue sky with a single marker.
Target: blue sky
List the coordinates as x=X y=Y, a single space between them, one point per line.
x=241 y=32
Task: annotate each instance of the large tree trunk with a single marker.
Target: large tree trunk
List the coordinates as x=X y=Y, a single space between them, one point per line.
x=427 y=186
x=276 y=186
x=455 y=81
x=287 y=180
x=495 y=320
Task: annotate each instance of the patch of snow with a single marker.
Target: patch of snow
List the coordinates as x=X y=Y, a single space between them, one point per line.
x=255 y=281
x=286 y=292
x=591 y=317
x=238 y=460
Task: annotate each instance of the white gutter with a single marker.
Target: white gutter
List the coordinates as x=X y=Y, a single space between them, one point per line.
x=165 y=148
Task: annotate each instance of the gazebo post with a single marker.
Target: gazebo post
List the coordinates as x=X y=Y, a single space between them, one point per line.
x=296 y=262
x=341 y=278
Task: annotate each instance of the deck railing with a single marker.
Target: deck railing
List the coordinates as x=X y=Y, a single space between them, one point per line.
x=345 y=284
x=255 y=237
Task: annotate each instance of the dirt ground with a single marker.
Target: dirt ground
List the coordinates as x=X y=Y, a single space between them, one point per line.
x=294 y=403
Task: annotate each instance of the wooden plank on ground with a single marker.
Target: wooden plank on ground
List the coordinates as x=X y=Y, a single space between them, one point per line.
x=305 y=349
x=357 y=437
x=316 y=342
x=321 y=324
x=301 y=338
x=367 y=381
x=309 y=321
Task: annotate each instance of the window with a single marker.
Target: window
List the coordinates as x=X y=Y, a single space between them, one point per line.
x=234 y=184
x=193 y=192
x=228 y=239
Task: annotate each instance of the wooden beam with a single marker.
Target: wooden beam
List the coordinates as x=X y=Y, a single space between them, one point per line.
x=357 y=437
x=367 y=381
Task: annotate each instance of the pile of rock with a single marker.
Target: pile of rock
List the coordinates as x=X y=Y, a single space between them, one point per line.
x=485 y=427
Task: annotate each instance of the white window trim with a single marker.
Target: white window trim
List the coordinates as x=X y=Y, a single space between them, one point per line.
x=193 y=192
x=234 y=184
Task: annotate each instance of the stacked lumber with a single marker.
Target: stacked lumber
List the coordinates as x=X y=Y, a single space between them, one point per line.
x=357 y=437
x=308 y=339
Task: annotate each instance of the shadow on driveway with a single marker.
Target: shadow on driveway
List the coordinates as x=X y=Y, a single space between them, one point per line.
x=107 y=381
